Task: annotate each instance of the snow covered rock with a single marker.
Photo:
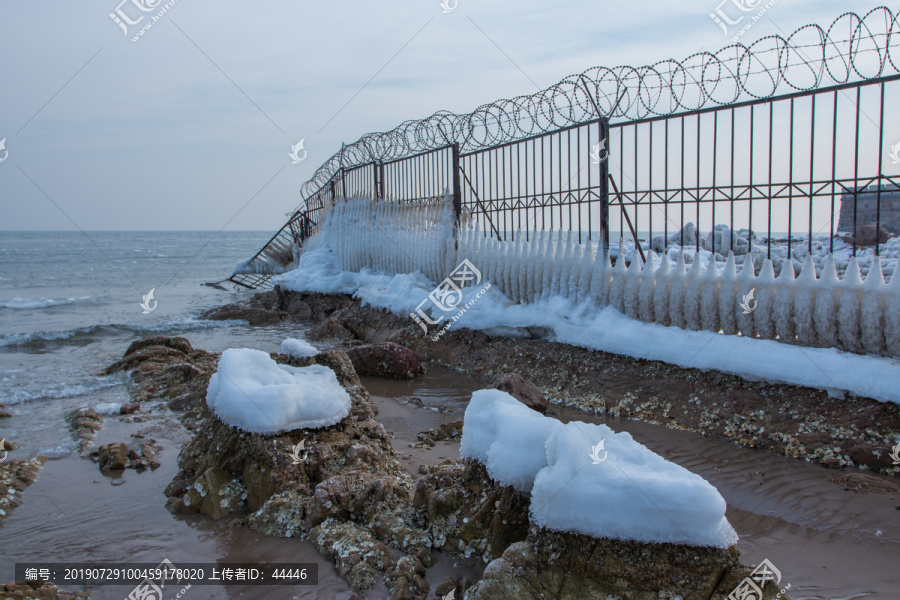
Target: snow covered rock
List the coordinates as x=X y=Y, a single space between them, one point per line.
x=298 y=348
x=252 y=392
x=557 y=565
x=624 y=491
x=507 y=437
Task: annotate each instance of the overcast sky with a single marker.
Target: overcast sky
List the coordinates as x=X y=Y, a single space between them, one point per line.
x=190 y=127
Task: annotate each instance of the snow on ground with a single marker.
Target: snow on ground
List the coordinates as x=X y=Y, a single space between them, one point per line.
x=254 y=393
x=587 y=479
x=607 y=329
x=756 y=251
x=298 y=348
x=507 y=437
x=108 y=408
x=624 y=491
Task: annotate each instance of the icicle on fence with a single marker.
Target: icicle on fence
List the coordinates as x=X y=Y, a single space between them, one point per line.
x=823 y=310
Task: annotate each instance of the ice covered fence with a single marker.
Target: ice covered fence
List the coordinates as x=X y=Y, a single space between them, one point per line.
x=298 y=348
x=816 y=308
x=630 y=493
x=251 y=391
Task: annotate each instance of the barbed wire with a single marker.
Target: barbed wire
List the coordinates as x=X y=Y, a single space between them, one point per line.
x=853 y=48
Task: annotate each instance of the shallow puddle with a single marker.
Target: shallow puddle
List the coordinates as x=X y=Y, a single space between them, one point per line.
x=828 y=543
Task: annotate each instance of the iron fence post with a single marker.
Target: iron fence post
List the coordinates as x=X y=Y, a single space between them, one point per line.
x=604 y=188
x=457 y=190
x=375 y=180
x=457 y=195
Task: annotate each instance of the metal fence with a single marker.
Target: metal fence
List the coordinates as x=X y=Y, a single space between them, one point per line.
x=771 y=139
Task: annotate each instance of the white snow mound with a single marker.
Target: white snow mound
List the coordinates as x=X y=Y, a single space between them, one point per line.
x=298 y=348
x=254 y=393
x=633 y=494
x=108 y=408
x=507 y=437
x=583 y=324
x=618 y=489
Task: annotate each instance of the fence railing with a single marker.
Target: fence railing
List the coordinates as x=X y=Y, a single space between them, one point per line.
x=752 y=150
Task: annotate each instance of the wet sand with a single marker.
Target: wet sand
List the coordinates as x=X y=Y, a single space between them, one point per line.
x=828 y=542
x=73 y=513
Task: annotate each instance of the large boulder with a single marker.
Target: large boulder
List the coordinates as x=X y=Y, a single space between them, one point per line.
x=39 y=590
x=386 y=360
x=722 y=241
x=869 y=235
x=551 y=564
x=687 y=236
x=873 y=456
x=243 y=312
x=522 y=390
x=165 y=368
x=15 y=476
x=342 y=487
x=176 y=343
x=357 y=555
x=85 y=423
x=465 y=511
x=113 y=457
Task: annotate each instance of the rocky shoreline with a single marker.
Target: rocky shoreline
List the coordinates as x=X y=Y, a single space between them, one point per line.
x=344 y=489
x=782 y=419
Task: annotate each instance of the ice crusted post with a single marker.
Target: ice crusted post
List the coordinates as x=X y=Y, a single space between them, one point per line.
x=254 y=393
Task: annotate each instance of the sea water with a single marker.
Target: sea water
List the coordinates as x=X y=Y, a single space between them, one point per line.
x=71 y=302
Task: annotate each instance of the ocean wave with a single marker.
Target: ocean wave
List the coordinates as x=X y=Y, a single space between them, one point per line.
x=36 y=303
x=187 y=324
x=61 y=390
x=35 y=337
x=176 y=326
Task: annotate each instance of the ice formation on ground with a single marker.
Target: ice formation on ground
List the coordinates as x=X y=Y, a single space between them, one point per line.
x=507 y=437
x=585 y=324
x=254 y=393
x=298 y=348
x=587 y=479
x=826 y=305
